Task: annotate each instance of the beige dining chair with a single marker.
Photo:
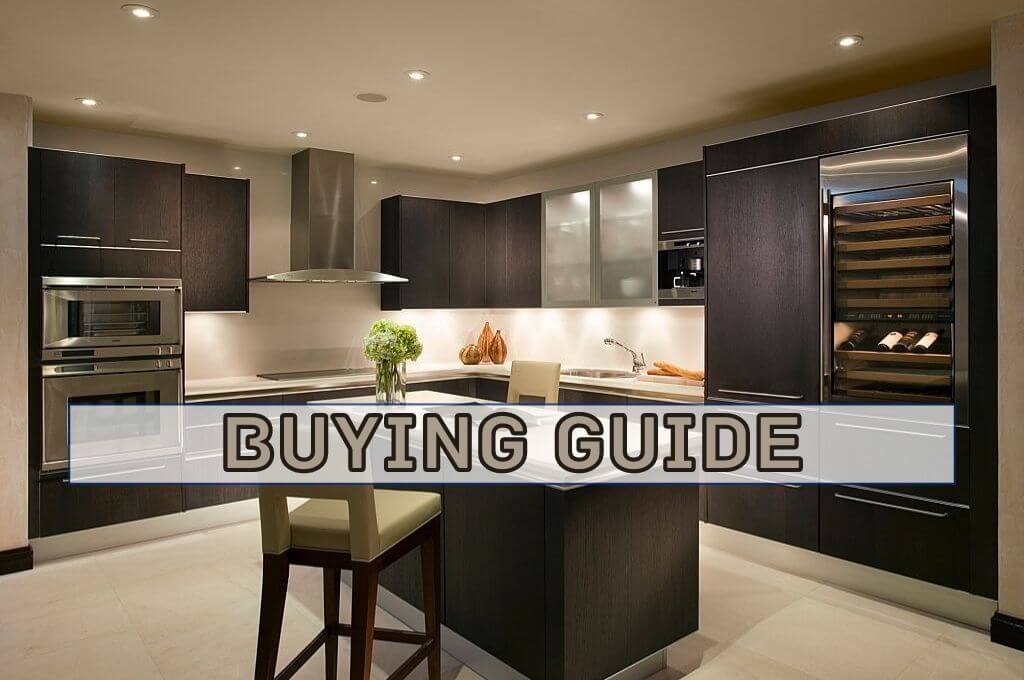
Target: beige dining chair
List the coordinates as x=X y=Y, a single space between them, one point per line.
x=352 y=527
x=534 y=379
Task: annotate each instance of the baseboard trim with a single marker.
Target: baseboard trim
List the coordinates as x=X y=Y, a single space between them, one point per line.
x=955 y=605
x=1008 y=631
x=16 y=559
x=149 y=529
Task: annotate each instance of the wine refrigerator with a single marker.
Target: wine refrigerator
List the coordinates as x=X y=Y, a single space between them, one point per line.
x=894 y=287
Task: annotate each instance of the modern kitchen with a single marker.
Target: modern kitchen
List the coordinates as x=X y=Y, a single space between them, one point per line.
x=820 y=209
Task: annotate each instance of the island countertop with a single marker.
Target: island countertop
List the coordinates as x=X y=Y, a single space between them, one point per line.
x=253 y=386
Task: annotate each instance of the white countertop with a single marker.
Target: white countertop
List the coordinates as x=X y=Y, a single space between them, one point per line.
x=251 y=385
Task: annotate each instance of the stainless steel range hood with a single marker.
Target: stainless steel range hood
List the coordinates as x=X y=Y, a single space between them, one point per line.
x=323 y=222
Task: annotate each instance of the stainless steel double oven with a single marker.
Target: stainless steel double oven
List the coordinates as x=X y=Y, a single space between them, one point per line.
x=111 y=341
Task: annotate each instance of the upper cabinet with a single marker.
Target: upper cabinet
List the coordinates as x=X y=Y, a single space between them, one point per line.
x=147 y=204
x=105 y=216
x=90 y=200
x=681 y=201
x=75 y=197
x=215 y=244
x=598 y=245
x=460 y=255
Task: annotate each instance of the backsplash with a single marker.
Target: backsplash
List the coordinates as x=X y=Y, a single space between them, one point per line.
x=294 y=327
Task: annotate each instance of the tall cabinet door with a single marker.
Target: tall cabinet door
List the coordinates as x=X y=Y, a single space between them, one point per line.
x=424 y=253
x=523 y=252
x=496 y=254
x=215 y=256
x=763 y=292
x=467 y=266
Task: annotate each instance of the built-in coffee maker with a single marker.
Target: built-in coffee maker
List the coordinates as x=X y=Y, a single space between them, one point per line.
x=681 y=271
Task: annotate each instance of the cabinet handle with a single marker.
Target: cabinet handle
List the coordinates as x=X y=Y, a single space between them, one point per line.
x=118 y=473
x=892 y=506
x=794 y=397
x=761 y=479
x=893 y=431
x=81 y=238
x=149 y=240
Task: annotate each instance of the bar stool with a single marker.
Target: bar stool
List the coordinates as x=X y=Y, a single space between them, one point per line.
x=534 y=379
x=357 y=528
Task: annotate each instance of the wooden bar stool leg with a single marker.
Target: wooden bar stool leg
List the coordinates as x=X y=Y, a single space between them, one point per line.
x=364 y=609
x=272 y=599
x=430 y=559
x=332 y=602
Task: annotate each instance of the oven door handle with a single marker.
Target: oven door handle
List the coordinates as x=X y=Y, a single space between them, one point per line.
x=107 y=367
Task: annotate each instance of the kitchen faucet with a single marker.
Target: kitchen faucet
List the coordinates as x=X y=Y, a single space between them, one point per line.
x=639 y=364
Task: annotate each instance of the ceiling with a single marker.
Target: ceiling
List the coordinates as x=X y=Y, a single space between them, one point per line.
x=510 y=81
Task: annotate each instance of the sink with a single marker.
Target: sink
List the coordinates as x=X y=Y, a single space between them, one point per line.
x=597 y=373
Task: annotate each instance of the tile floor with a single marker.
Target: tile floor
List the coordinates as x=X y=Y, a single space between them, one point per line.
x=187 y=607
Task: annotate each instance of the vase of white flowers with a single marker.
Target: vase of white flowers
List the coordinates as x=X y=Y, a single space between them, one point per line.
x=389 y=346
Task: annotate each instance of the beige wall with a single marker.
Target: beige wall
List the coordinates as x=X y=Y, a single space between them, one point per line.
x=1008 y=76
x=15 y=135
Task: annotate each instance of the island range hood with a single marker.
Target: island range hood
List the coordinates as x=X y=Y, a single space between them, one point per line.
x=323 y=222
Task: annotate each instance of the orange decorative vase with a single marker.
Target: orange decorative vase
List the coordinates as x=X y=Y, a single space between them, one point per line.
x=483 y=343
x=499 y=350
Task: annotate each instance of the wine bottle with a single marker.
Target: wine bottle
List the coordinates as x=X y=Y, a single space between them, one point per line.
x=889 y=341
x=926 y=342
x=855 y=340
x=907 y=341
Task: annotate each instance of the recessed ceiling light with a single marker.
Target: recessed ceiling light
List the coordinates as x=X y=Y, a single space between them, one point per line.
x=87 y=101
x=418 y=74
x=371 y=97
x=300 y=134
x=237 y=167
x=456 y=157
x=849 y=40
x=373 y=181
x=140 y=11
x=594 y=115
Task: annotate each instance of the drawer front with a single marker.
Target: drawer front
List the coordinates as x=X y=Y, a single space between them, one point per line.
x=919 y=538
x=64 y=507
x=788 y=514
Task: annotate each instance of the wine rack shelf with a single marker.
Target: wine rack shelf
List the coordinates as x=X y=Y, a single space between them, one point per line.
x=911 y=358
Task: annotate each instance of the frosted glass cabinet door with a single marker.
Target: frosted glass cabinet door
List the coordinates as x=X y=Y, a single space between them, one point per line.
x=567 y=249
x=626 y=242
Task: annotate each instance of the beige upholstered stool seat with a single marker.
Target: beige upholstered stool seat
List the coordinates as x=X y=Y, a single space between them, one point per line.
x=323 y=524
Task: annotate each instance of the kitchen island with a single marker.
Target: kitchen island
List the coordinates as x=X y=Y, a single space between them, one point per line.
x=561 y=582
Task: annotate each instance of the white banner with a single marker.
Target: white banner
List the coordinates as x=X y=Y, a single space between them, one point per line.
x=349 y=443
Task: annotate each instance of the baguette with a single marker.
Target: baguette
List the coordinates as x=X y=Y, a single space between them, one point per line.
x=658 y=371
x=672 y=369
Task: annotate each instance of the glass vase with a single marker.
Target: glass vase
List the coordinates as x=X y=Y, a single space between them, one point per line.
x=390 y=382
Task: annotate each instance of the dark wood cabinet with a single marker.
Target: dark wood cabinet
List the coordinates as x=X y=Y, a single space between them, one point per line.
x=890 y=125
x=523 y=253
x=415 y=245
x=906 y=535
x=681 y=201
x=467 y=263
x=461 y=255
x=788 y=514
x=494 y=562
x=147 y=204
x=76 y=198
x=65 y=507
x=215 y=244
x=109 y=216
x=762 y=327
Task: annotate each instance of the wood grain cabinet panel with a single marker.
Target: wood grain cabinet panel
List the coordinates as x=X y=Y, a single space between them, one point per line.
x=215 y=252
x=64 y=507
x=681 y=201
x=467 y=262
x=523 y=252
x=76 y=197
x=763 y=299
x=147 y=204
